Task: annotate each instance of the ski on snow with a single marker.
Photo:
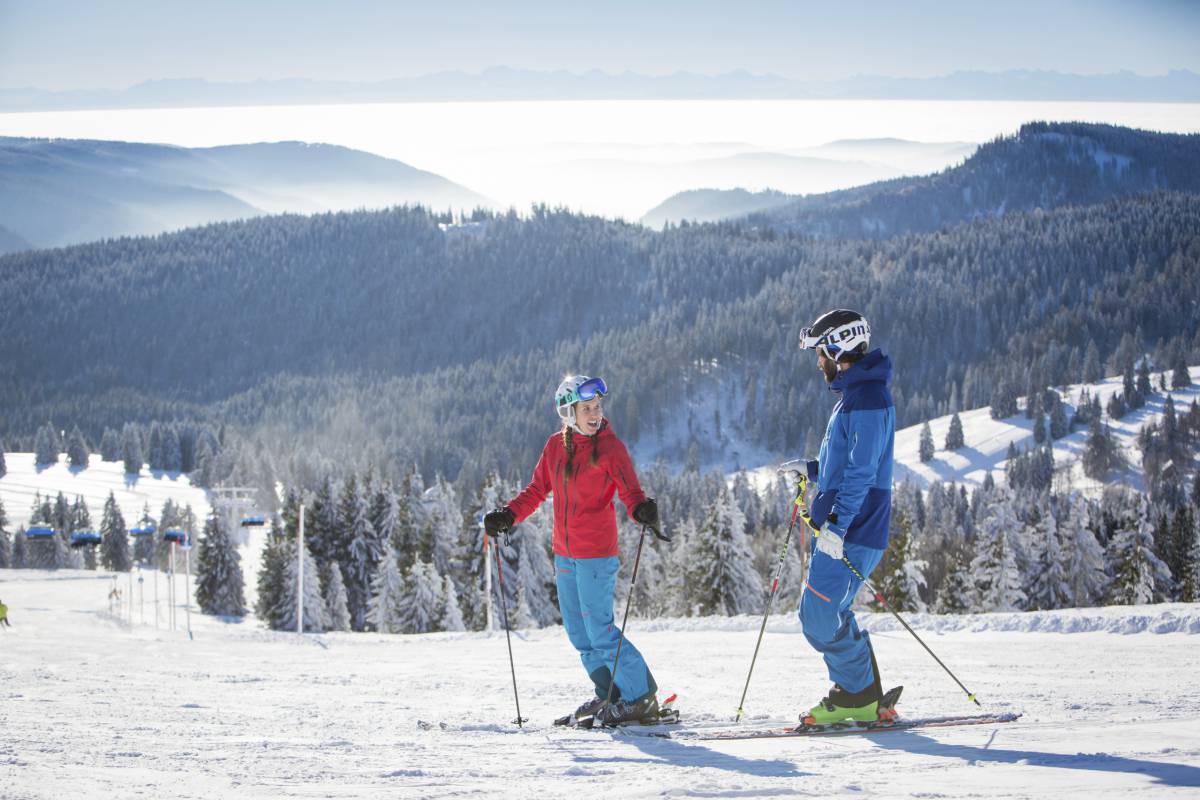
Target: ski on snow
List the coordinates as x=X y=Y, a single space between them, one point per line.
x=888 y=721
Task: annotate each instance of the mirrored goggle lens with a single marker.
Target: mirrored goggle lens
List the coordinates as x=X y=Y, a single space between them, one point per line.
x=591 y=389
x=808 y=341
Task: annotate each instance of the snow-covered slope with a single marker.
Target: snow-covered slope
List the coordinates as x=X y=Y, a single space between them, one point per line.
x=987 y=440
x=91 y=706
x=24 y=480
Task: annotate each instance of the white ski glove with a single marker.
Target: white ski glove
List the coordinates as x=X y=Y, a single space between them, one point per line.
x=830 y=544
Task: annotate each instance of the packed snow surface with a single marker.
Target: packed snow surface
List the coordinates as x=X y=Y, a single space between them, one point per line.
x=93 y=706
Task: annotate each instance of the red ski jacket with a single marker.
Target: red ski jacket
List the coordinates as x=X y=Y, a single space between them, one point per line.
x=585 y=521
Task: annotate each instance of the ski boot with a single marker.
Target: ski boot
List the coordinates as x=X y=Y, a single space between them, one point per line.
x=625 y=712
x=583 y=714
x=836 y=710
x=842 y=706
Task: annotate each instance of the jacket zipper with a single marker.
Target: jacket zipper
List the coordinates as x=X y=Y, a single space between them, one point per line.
x=566 y=510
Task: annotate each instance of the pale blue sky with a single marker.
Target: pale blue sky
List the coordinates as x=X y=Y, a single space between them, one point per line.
x=64 y=44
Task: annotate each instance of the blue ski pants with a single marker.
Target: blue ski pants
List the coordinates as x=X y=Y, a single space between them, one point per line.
x=585 y=598
x=826 y=618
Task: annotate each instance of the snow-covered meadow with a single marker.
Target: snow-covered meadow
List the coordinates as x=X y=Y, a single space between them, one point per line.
x=91 y=706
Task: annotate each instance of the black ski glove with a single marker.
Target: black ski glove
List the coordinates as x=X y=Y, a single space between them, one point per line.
x=499 y=521
x=646 y=512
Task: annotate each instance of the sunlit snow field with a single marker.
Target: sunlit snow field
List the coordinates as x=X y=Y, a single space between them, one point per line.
x=91 y=706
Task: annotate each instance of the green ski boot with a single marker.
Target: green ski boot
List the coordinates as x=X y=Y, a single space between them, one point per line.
x=840 y=706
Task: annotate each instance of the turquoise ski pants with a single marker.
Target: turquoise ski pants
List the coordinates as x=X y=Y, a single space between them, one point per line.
x=585 y=598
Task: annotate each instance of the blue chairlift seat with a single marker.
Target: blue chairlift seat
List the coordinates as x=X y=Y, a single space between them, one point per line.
x=175 y=537
x=84 y=538
x=145 y=529
x=254 y=521
x=39 y=532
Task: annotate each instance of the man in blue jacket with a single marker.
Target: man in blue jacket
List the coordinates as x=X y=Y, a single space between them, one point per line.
x=850 y=512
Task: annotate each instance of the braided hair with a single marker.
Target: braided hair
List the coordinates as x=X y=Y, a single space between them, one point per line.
x=568 y=434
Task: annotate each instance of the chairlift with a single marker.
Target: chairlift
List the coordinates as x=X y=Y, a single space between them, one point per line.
x=254 y=521
x=39 y=532
x=84 y=538
x=175 y=536
x=146 y=528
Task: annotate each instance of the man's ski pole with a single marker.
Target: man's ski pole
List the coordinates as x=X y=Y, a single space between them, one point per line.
x=783 y=551
x=628 y=602
x=508 y=635
x=883 y=602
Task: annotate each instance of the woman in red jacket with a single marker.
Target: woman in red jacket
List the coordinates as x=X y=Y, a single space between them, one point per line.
x=583 y=466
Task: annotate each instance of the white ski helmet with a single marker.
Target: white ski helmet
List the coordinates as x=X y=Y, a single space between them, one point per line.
x=573 y=389
x=838 y=334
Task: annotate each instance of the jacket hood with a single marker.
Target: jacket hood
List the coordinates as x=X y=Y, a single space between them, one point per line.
x=875 y=367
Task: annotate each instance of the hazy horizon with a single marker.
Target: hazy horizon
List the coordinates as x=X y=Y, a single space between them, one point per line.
x=75 y=45
x=615 y=158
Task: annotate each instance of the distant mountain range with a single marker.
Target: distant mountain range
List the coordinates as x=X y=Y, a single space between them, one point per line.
x=1044 y=166
x=505 y=83
x=56 y=192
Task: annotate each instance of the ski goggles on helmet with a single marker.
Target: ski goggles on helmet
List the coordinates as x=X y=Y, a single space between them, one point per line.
x=832 y=342
x=588 y=390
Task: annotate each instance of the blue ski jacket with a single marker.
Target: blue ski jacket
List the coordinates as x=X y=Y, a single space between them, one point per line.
x=854 y=470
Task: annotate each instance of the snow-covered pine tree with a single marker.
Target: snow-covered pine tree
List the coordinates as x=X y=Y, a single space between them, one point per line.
x=110 y=445
x=901 y=574
x=316 y=615
x=1139 y=576
x=1180 y=553
x=1050 y=587
x=81 y=520
x=419 y=607
x=335 y=600
x=131 y=448
x=78 y=452
x=925 y=448
x=366 y=549
x=1083 y=556
x=1189 y=582
x=272 y=573
x=219 y=584
x=450 y=618
x=6 y=554
x=995 y=568
x=20 y=553
x=171 y=517
x=46 y=446
x=1059 y=425
x=441 y=522
x=955 y=594
x=320 y=520
x=721 y=575
x=3 y=464
x=143 y=546
x=954 y=436
x=114 y=539
x=387 y=591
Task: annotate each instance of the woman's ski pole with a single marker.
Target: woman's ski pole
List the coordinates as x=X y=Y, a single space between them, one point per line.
x=508 y=635
x=801 y=484
x=883 y=602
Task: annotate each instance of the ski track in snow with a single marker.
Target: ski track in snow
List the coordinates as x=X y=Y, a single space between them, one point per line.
x=91 y=706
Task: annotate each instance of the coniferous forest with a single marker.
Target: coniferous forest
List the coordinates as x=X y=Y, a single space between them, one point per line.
x=397 y=367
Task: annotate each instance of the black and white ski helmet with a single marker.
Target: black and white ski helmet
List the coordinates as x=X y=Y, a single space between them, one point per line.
x=839 y=334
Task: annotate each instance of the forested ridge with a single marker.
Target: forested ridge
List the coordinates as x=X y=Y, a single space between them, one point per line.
x=386 y=339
